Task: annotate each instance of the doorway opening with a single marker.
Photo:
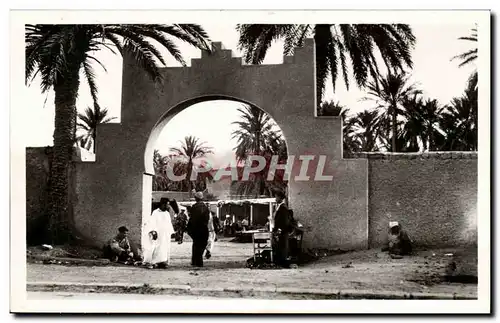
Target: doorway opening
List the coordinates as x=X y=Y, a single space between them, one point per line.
x=207 y=145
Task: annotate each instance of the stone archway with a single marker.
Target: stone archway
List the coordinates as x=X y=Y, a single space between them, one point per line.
x=158 y=129
x=334 y=211
x=173 y=111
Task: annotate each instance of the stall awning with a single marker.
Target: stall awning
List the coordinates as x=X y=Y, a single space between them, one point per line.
x=264 y=201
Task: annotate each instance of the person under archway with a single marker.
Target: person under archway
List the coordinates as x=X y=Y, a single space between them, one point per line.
x=173 y=209
x=197 y=229
x=281 y=231
x=180 y=226
x=159 y=229
x=213 y=228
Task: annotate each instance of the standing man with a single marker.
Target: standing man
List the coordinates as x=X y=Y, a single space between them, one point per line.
x=244 y=224
x=213 y=228
x=181 y=223
x=197 y=229
x=227 y=226
x=159 y=229
x=281 y=230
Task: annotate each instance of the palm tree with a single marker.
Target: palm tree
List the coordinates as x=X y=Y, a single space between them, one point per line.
x=160 y=164
x=58 y=53
x=364 y=128
x=350 y=142
x=331 y=108
x=89 y=121
x=190 y=150
x=412 y=133
x=257 y=135
x=254 y=132
x=469 y=56
x=337 y=46
x=277 y=146
x=389 y=93
x=459 y=122
x=422 y=123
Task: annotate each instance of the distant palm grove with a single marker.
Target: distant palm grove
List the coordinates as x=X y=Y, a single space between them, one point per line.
x=402 y=119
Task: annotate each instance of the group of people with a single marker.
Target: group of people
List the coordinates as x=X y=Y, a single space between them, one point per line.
x=202 y=225
x=166 y=222
x=231 y=227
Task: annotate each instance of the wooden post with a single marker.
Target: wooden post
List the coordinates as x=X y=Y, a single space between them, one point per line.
x=270 y=216
x=251 y=215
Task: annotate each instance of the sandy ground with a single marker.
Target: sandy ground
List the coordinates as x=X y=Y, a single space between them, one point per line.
x=370 y=270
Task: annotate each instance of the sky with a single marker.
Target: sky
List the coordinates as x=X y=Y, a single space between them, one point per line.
x=433 y=71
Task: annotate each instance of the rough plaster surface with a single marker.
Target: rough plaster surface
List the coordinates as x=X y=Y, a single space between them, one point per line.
x=434 y=198
x=433 y=195
x=37 y=174
x=110 y=191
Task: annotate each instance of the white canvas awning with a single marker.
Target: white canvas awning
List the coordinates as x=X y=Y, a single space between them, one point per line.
x=264 y=201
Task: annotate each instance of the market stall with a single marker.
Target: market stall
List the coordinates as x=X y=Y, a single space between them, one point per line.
x=259 y=235
x=256 y=212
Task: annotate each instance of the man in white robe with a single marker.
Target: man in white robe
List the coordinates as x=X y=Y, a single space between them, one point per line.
x=212 y=234
x=158 y=230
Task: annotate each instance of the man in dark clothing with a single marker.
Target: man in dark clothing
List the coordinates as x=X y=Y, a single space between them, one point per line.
x=281 y=230
x=180 y=226
x=197 y=229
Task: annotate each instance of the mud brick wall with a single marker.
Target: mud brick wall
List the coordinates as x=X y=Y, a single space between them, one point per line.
x=37 y=175
x=37 y=181
x=433 y=196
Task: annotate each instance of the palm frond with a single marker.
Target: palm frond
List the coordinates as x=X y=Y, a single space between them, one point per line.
x=144 y=59
x=162 y=39
x=90 y=77
x=137 y=36
x=323 y=39
x=195 y=35
x=468 y=38
x=89 y=57
x=471 y=55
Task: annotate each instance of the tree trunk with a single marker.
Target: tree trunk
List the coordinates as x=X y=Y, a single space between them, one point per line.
x=189 y=170
x=431 y=147
x=394 y=129
x=94 y=136
x=64 y=136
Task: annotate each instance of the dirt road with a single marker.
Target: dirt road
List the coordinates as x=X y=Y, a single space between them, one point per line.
x=363 y=270
x=109 y=296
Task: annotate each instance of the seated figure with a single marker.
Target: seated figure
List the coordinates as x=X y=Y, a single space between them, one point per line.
x=118 y=249
x=399 y=243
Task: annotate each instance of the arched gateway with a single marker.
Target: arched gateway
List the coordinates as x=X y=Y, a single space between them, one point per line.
x=332 y=204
